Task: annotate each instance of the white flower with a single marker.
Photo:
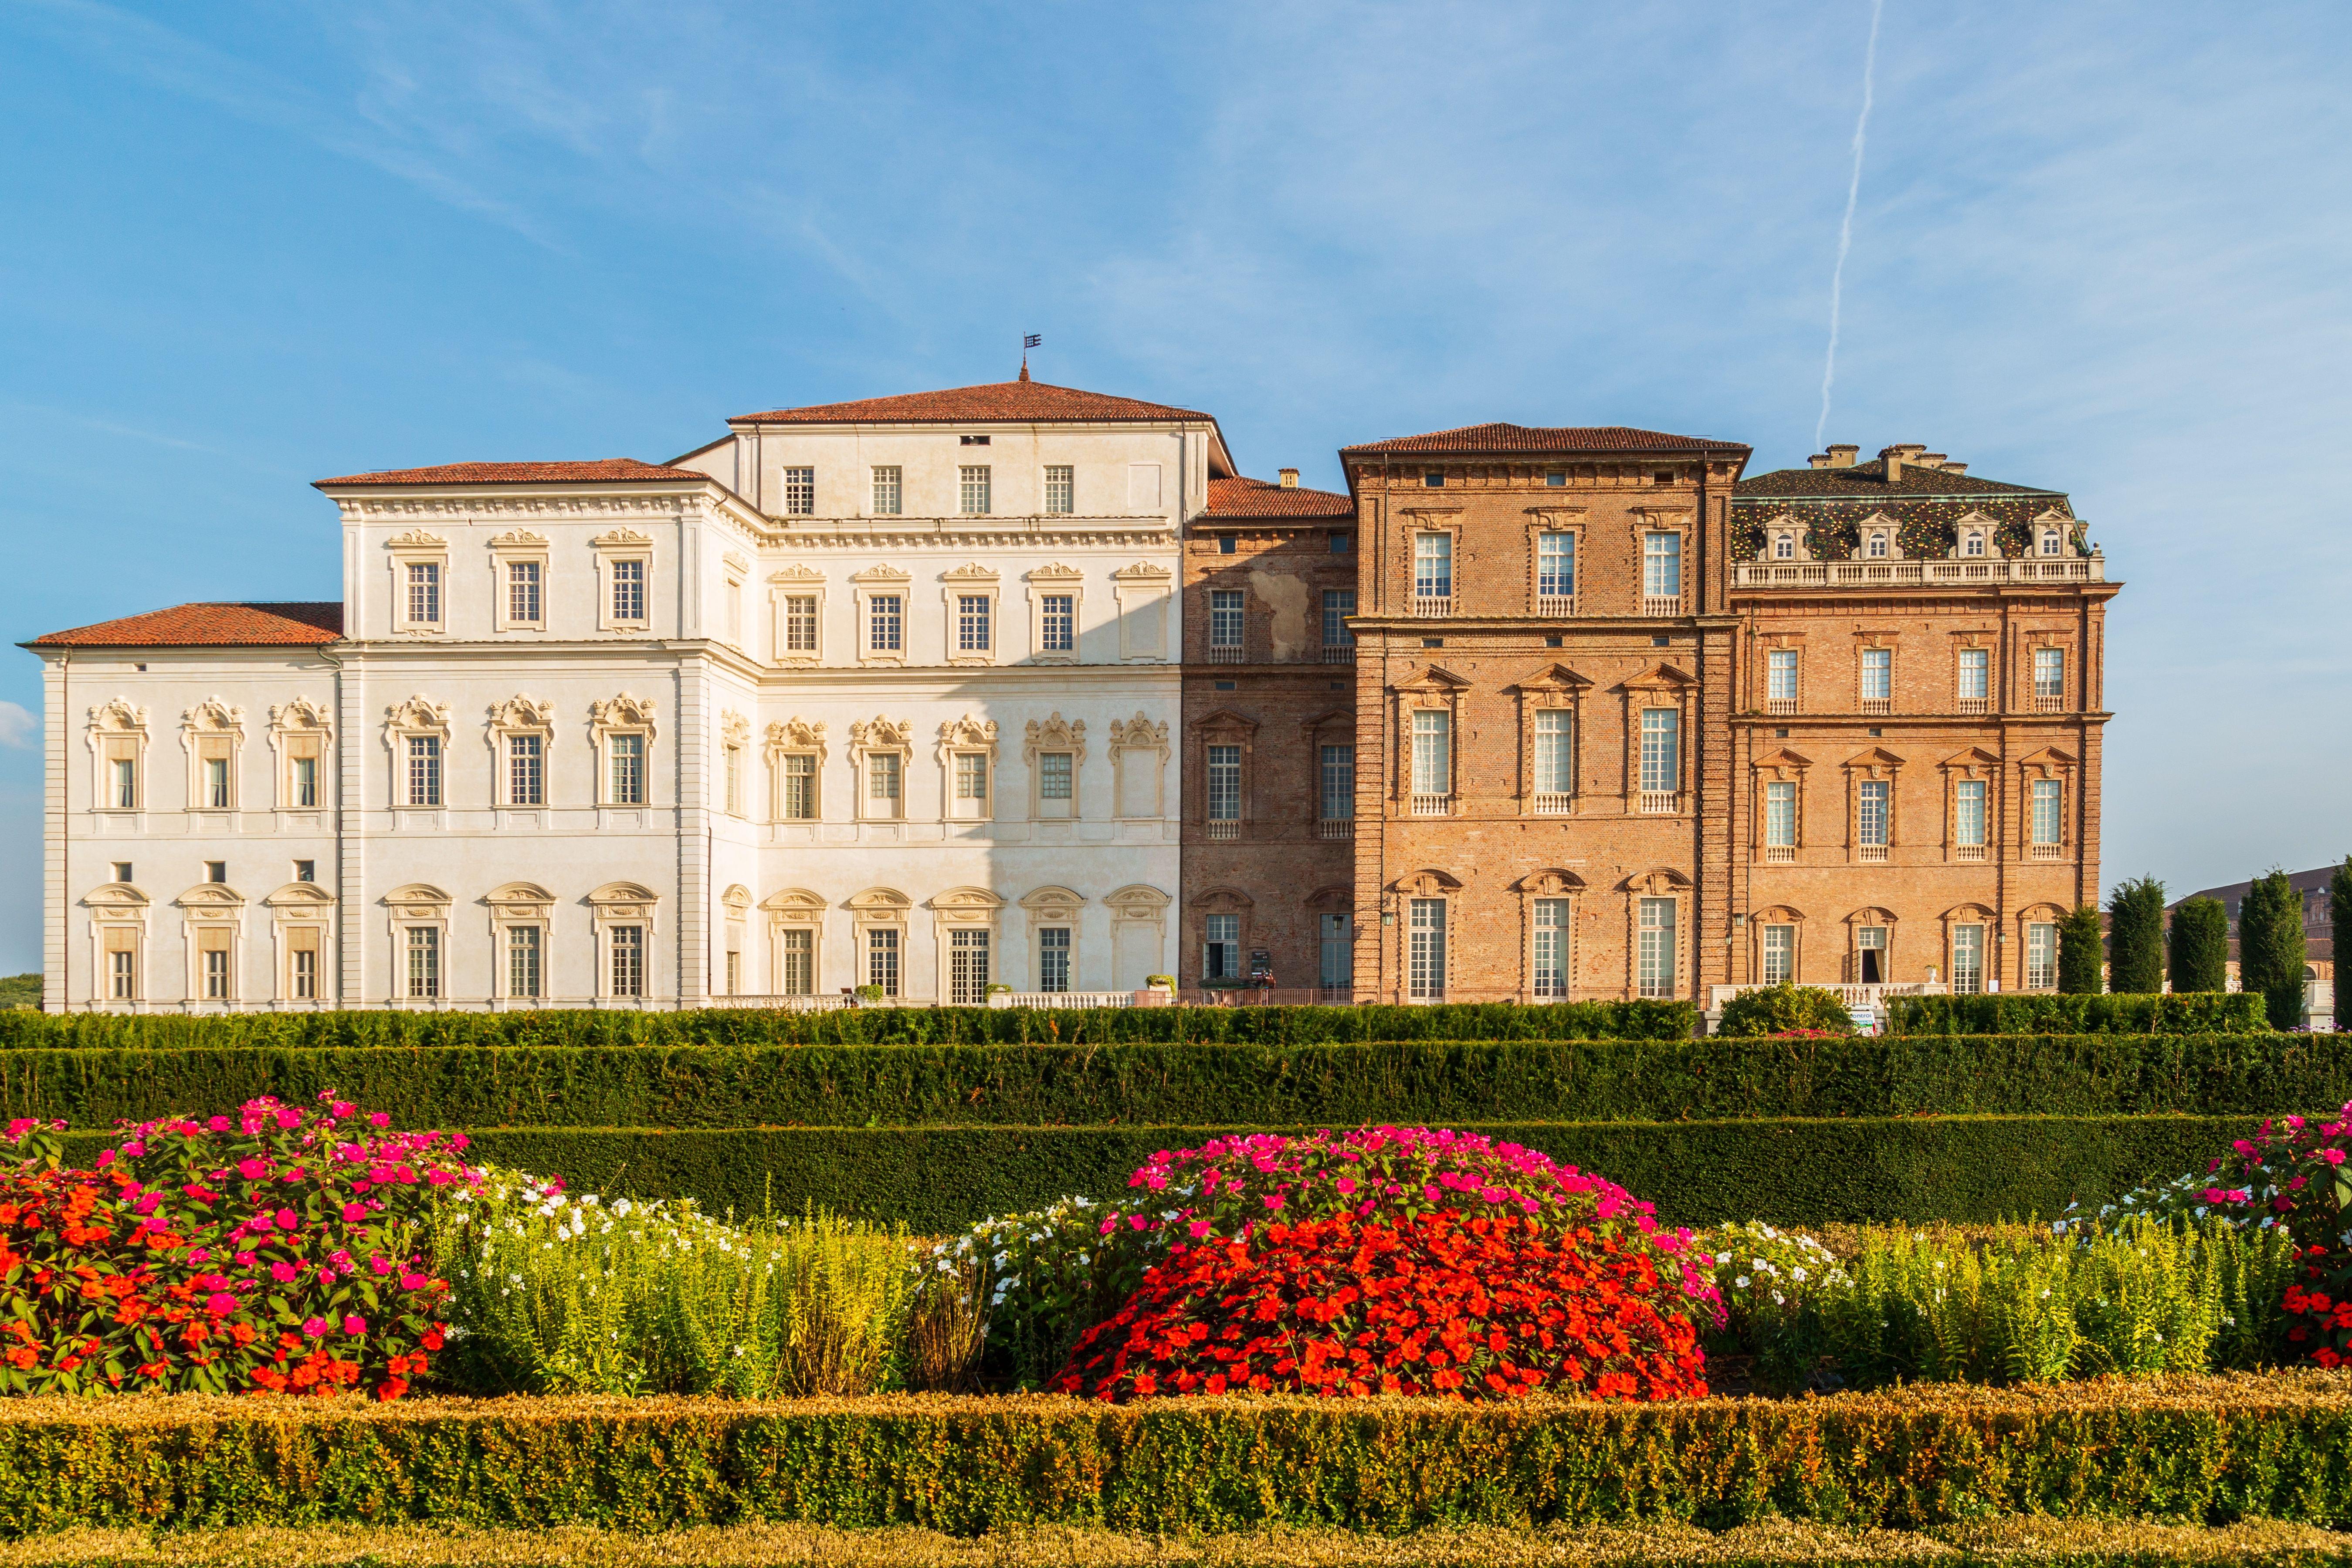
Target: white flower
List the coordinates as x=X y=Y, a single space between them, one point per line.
x=1741 y=1282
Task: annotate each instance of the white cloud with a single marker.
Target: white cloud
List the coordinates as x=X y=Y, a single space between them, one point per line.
x=18 y=726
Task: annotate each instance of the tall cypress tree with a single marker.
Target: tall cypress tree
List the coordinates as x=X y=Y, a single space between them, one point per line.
x=2339 y=904
x=2201 y=946
x=2271 y=947
x=2135 y=937
x=2078 y=953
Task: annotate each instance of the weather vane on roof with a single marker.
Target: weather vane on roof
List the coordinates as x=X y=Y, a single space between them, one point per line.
x=1028 y=341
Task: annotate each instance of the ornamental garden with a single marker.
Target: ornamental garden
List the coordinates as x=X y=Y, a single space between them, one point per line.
x=2067 y=1275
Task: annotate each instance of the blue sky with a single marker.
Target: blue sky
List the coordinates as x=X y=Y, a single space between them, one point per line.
x=2101 y=247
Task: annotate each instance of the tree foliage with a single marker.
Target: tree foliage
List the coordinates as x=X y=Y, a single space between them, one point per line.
x=2079 y=953
x=2201 y=946
x=2135 y=938
x=2271 y=947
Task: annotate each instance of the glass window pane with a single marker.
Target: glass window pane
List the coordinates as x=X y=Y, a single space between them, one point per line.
x=1225 y=617
x=885 y=623
x=885 y=504
x=1339 y=783
x=1661 y=751
x=1656 y=957
x=1056 y=775
x=1060 y=489
x=1877 y=674
x=1969 y=829
x=1550 y=955
x=1338 y=603
x=1555 y=772
x=1780 y=814
x=1432 y=751
x=1433 y=565
x=1053 y=959
x=1426 y=954
x=1662 y=566
x=800 y=492
x=1224 y=783
x=1869 y=826
x=1556 y=565
x=1058 y=623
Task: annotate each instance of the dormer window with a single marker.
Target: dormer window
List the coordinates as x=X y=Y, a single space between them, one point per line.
x=1877 y=546
x=1784 y=547
x=1974 y=544
x=2050 y=541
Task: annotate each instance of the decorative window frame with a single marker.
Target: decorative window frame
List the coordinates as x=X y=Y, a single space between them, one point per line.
x=621 y=715
x=1876 y=527
x=1056 y=734
x=417 y=548
x=866 y=587
x=1677 y=520
x=521 y=905
x=1555 y=690
x=967 y=737
x=961 y=909
x=1870 y=915
x=1552 y=882
x=416 y=905
x=1762 y=647
x=885 y=909
x=796 y=736
x=796 y=909
x=1067 y=582
x=1977 y=526
x=1056 y=907
x=1416 y=522
x=1145 y=586
x=2066 y=528
x=1193 y=958
x=116 y=726
x=794 y=581
x=735 y=908
x=1433 y=690
x=876 y=737
x=305 y=910
x=417 y=716
x=1139 y=742
x=206 y=909
x=2049 y=762
x=302 y=728
x=2041 y=914
x=1780 y=765
x=1223 y=727
x=1660 y=883
x=1785 y=530
x=1332 y=727
x=623 y=904
x=1967 y=914
x=1660 y=686
x=1867 y=642
x=1324 y=901
x=1989 y=644
x=622 y=544
x=1134 y=907
x=215 y=726
x=1876 y=765
x=1776 y=915
x=117 y=907
x=1543 y=519
x=969 y=580
x=1426 y=883
x=518 y=715
x=734 y=781
x=1978 y=763
x=2035 y=640
x=518 y=547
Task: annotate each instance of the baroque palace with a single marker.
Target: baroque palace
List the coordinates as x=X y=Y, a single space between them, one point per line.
x=1024 y=686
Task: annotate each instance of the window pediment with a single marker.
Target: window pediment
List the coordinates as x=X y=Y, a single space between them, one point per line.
x=887 y=901
x=118 y=715
x=1658 y=677
x=418 y=899
x=1973 y=760
x=1138 y=901
x=301 y=714
x=1556 y=678
x=214 y=716
x=971 y=572
x=1056 y=734
x=621 y=713
x=1552 y=882
x=1875 y=760
x=797 y=573
x=1434 y=681
x=1783 y=762
x=621 y=539
x=1872 y=916
x=1222 y=901
x=300 y=896
x=418 y=713
x=1657 y=882
x=968 y=735
x=623 y=900
x=881 y=734
x=520 y=712
x=120 y=897
x=1142 y=572
x=794 y=904
x=734 y=729
x=2046 y=762
x=1138 y=735
x=520 y=900
x=1053 y=572
x=1427 y=883
x=1963 y=913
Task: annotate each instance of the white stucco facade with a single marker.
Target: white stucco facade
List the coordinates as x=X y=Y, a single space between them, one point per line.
x=659 y=737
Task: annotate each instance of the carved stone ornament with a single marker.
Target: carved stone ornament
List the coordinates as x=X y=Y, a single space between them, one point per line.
x=1138 y=901
x=519 y=539
x=301 y=714
x=416 y=539
x=883 y=573
x=969 y=571
x=621 y=538
x=1138 y=735
x=117 y=714
x=1142 y=572
x=1054 y=572
x=520 y=712
x=1055 y=735
x=214 y=714
x=797 y=734
x=417 y=713
x=968 y=734
x=880 y=734
x=734 y=729
x=621 y=713
x=797 y=573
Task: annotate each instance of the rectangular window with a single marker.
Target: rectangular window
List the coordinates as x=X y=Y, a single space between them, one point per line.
x=216 y=796
x=1781 y=675
x=522 y=961
x=628 y=960
x=800 y=492
x=1556 y=565
x=1780 y=814
x=735 y=612
x=1061 y=490
x=1224 y=783
x=1053 y=959
x=122 y=870
x=1976 y=674
x=424 y=963
x=303 y=976
x=1870 y=948
x=1662 y=566
x=734 y=972
x=424 y=593
x=1433 y=566
x=1220 y=948
x=1968 y=960
x=1780 y=955
x=1870 y=814
x=1662 y=766
x=886 y=623
x=1969 y=812
x=1225 y=617
x=1656 y=958
x=972 y=624
x=800 y=623
x=1432 y=751
x=1338 y=603
x=216 y=975
x=882 y=783
x=425 y=770
x=526 y=769
x=126 y=783
x=2041 y=957
x=1426 y=952
x=971 y=777
x=306 y=783
x=1877 y=674
x=628 y=590
x=885 y=504
x=306 y=871
x=1550 y=955
x=882 y=958
x=1056 y=782
x=2049 y=824
x=1337 y=798
x=1057 y=623
x=796 y=952
x=799 y=787
x=972 y=489
x=967 y=968
x=734 y=781
x=628 y=768
x=1339 y=955
x=1555 y=767
x=122 y=975
x=216 y=871
x=2049 y=672
x=522 y=592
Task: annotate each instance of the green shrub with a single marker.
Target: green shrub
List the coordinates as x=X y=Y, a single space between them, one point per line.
x=2135 y=938
x=2200 y=947
x=2040 y=1013
x=2271 y=947
x=2203 y=1450
x=2079 y=958
x=1774 y=1009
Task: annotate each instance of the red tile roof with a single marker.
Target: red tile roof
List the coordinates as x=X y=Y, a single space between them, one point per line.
x=597 y=471
x=1262 y=498
x=295 y=623
x=1499 y=438
x=1015 y=402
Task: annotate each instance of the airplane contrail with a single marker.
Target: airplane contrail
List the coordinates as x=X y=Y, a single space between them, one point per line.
x=1845 y=229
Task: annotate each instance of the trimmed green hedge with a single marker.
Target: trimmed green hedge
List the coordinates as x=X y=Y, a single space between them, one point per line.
x=2197 y=1450
x=2041 y=1013
x=1431 y=1082
x=1789 y=1171
x=1639 y=1020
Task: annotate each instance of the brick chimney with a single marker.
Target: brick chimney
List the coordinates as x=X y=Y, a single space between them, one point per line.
x=1956 y=470
x=1289 y=478
x=1819 y=460
x=1929 y=459
x=1843 y=457
x=1896 y=457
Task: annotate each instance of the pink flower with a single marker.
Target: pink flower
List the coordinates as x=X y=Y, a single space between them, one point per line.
x=134 y=1148
x=355 y=1325
x=1347 y=1186
x=253 y=1170
x=315 y=1327
x=413 y=1281
x=220 y=1304
x=284 y=1273
x=379 y=1118
x=355 y=1212
x=2333 y=1156
x=286 y=1220
x=380 y=1265
x=219 y=1124
x=201 y=1254
x=342 y=1108
x=289 y=1120
x=244 y=1260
